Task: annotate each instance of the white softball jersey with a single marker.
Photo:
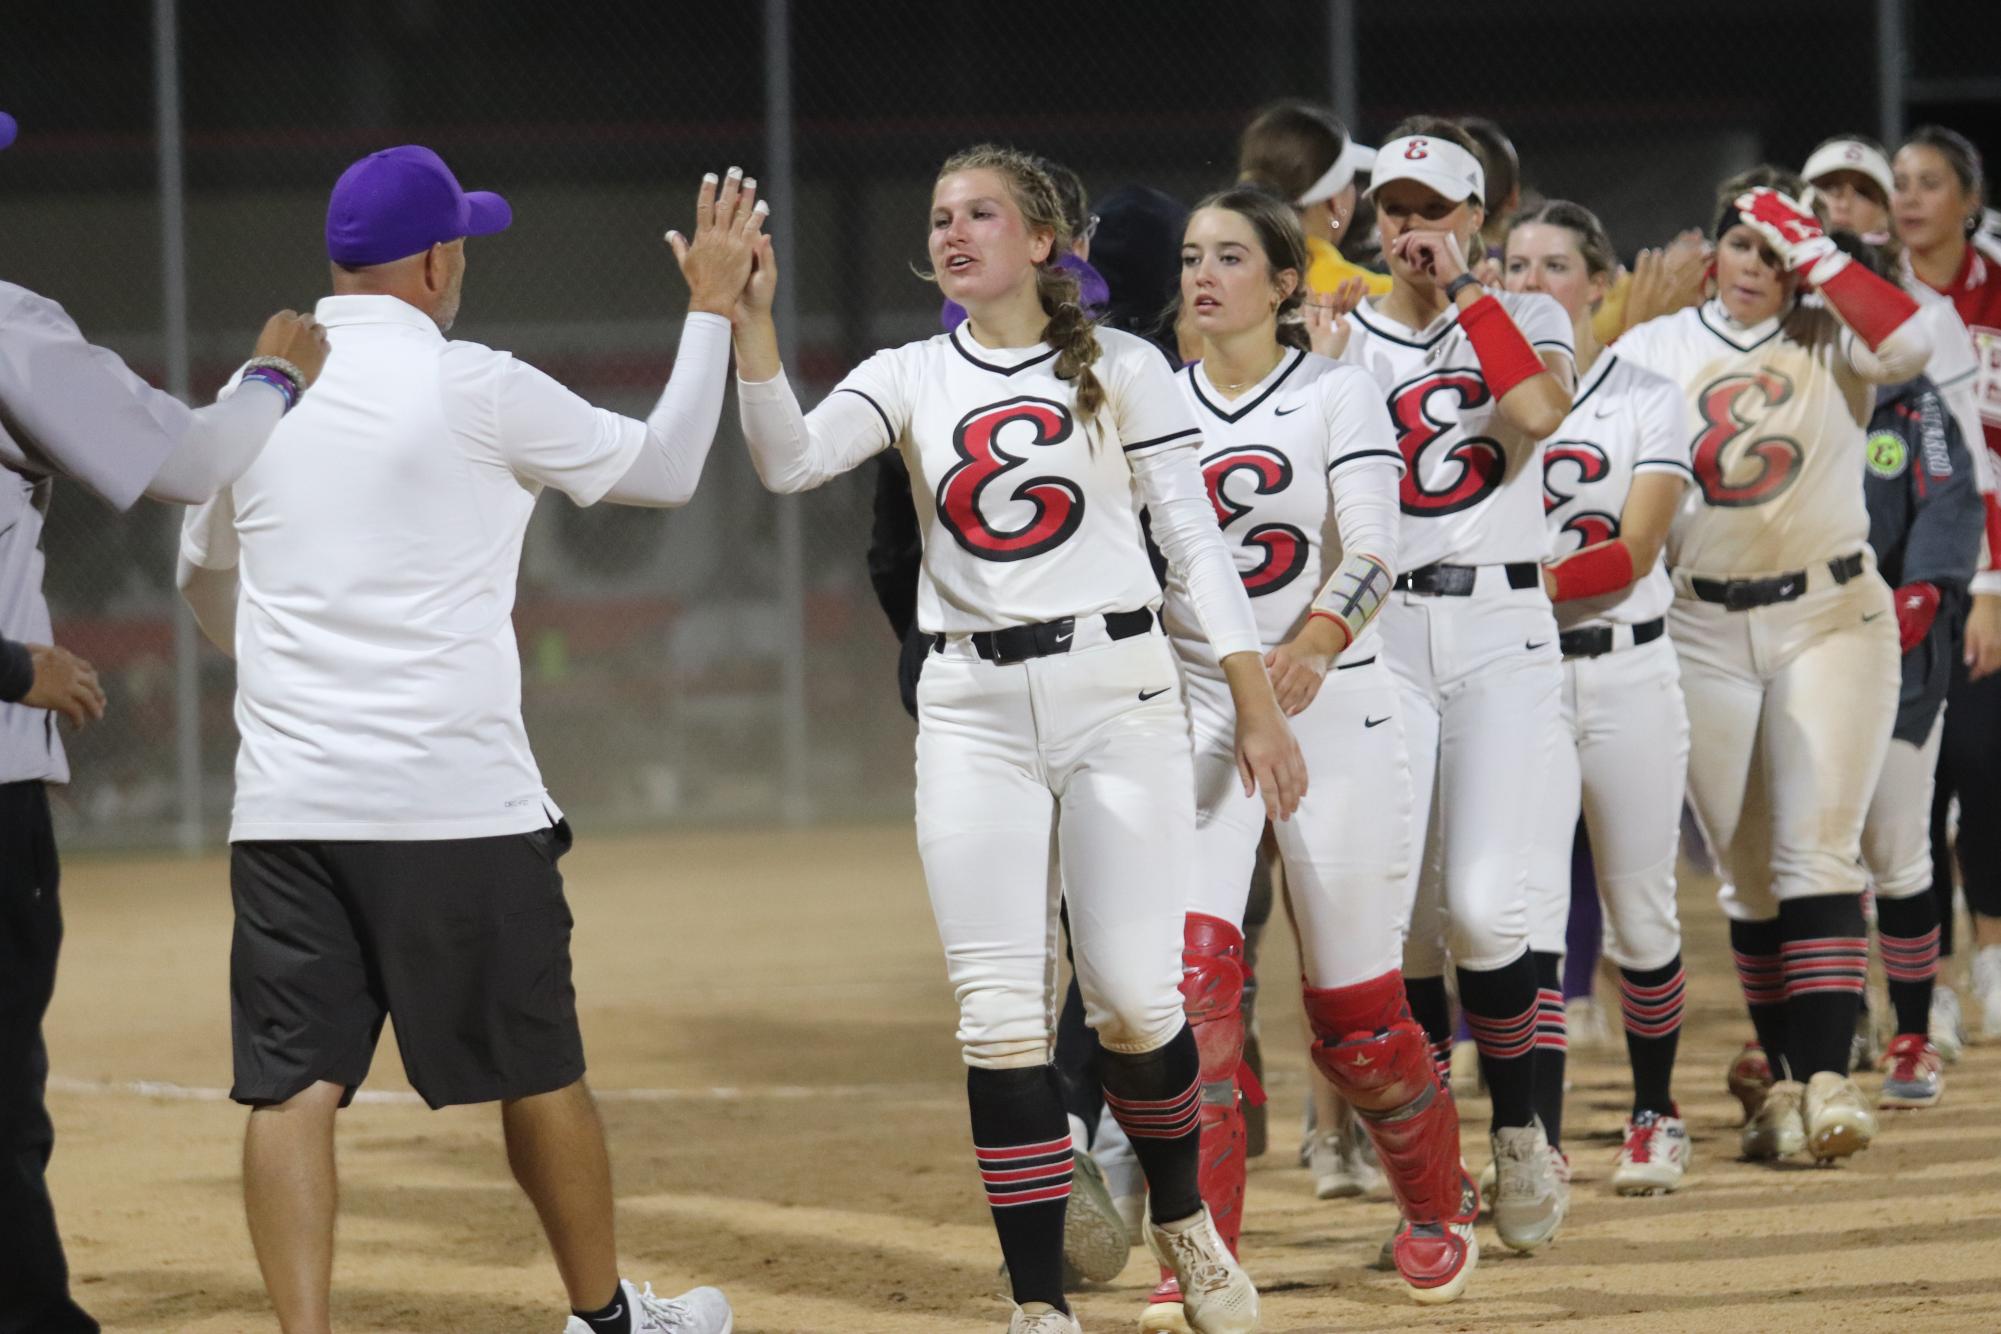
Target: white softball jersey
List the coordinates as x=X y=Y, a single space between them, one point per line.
x=1028 y=514
x=1623 y=421
x=1772 y=415
x=1274 y=461
x=1472 y=489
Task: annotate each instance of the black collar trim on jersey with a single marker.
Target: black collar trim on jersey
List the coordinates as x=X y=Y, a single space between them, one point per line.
x=1361 y=313
x=1609 y=359
x=1702 y=314
x=1195 y=378
x=953 y=337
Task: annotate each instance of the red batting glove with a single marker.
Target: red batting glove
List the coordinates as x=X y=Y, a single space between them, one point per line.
x=1791 y=229
x=1917 y=604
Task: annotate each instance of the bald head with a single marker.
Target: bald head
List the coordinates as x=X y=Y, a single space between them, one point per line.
x=430 y=280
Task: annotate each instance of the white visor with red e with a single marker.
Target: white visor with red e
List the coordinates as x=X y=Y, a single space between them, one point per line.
x=1850 y=155
x=1354 y=158
x=1443 y=166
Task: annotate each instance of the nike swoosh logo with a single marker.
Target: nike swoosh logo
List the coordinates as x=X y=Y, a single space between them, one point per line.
x=1287 y=412
x=1535 y=644
x=1064 y=638
x=1146 y=695
x=617 y=1313
x=1600 y=414
x=1375 y=722
x=1870 y=617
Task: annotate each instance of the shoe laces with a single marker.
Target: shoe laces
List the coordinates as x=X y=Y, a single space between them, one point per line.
x=1519 y=1162
x=1908 y=1060
x=1045 y=1322
x=666 y=1315
x=1195 y=1264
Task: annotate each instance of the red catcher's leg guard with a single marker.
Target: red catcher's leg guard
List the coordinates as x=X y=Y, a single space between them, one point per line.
x=1375 y=1055
x=1212 y=991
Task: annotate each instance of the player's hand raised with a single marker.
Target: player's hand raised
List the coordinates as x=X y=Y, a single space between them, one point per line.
x=1437 y=254
x=1326 y=316
x=717 y=262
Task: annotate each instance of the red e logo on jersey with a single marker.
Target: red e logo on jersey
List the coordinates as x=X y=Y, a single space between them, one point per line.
x=1734 y=475
x=1481 y=462
x=1057 y=503
x=1416 y=149
x=1586 y=463
x=1283 y=547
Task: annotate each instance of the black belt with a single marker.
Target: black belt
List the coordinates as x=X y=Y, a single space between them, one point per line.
x=1594 y=641
x=1456 y=581
x=1744 y=594
x=1018 y=643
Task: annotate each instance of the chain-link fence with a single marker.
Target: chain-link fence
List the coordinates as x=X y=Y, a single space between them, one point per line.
x=727 y=660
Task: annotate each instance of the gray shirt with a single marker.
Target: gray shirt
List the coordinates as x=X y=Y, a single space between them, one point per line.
x=70 y=409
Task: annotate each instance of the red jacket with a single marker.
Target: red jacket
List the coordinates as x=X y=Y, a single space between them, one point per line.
x=1976 y=294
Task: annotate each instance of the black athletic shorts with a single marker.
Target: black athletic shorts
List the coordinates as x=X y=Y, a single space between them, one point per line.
x=466 y=942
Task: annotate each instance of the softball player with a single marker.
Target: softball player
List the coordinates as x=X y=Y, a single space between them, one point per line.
x=1784 y=631
x=1939 y=191
x=1613 y=476
x=1303 y=470
x=1051 y=712
x=1474 y=382
x=1306 y=154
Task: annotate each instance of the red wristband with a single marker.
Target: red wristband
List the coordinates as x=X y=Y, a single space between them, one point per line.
x=1605 y=568
x=1873 y=308
x=1506 y=359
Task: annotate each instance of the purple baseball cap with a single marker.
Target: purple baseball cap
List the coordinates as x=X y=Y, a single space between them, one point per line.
x=402 y=201
x=8 y=129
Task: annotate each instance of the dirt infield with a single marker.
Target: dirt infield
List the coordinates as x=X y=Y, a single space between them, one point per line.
x=769 y=1027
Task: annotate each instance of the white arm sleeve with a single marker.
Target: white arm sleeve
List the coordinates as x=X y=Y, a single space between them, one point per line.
x=1184 y=524
x=1902 y=353
x=682 y=426
x=1366 y=510
x=224 y=438
x=797 y=451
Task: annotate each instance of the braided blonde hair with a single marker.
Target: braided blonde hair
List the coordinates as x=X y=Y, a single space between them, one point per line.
x=1070 y=331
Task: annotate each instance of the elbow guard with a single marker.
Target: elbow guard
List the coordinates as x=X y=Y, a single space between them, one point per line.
x=1354 y=594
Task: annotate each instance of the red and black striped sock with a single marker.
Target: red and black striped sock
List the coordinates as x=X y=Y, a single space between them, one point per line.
x=1021 y=1138
x=1432 y=1009
x=1650 y=1000
x=1826 y=954
x=1156 y=1097
x=1907 y=933
x=1761 y=972
x=1552 y=1044
x=1500 y=1006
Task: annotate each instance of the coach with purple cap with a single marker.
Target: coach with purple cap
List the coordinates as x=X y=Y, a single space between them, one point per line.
x=393 y=850
x=72 y=410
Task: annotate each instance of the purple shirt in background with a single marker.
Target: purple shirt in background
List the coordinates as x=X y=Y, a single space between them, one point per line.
x=1091 y=290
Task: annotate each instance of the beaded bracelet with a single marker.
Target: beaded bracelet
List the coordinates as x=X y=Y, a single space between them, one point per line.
x=280 y=374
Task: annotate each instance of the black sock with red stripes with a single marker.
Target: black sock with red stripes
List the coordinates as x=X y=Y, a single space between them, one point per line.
x=1907 y=935
x=1761 y=973
x=1552 y=1044
x=1650 y=1001
x=1156 y=1097
x=1432 y=1009
x=1500 y=1005
x=1826 y=955
x=1021 y=1138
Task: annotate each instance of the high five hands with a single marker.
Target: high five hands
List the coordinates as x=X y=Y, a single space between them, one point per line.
x=729 y=257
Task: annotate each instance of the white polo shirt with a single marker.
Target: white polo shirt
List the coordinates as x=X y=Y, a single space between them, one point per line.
x=378 y=679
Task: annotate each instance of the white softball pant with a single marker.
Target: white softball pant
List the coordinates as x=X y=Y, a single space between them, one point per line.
x=1347 y=849
x=1790 y=708
x=1896 y=832
x=1065 y=774
x=1623 y=760
x=1479 y=678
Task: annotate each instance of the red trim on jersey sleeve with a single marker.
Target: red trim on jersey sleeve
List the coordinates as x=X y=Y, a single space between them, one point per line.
x=1604 y=568
x=1506 y=359
x=1991 y=505
x=1873 y=308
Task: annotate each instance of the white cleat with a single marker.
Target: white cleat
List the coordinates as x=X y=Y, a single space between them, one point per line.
x=1344 y=1166
x=1044 y=1320
x=697 y=1311
x=1095 y=1242
x=1216 y=1294
x=1838 y=1121
x=1654 y=1158
x=1529 y=1199
x=1947 y=1026
x=1777 y=1129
